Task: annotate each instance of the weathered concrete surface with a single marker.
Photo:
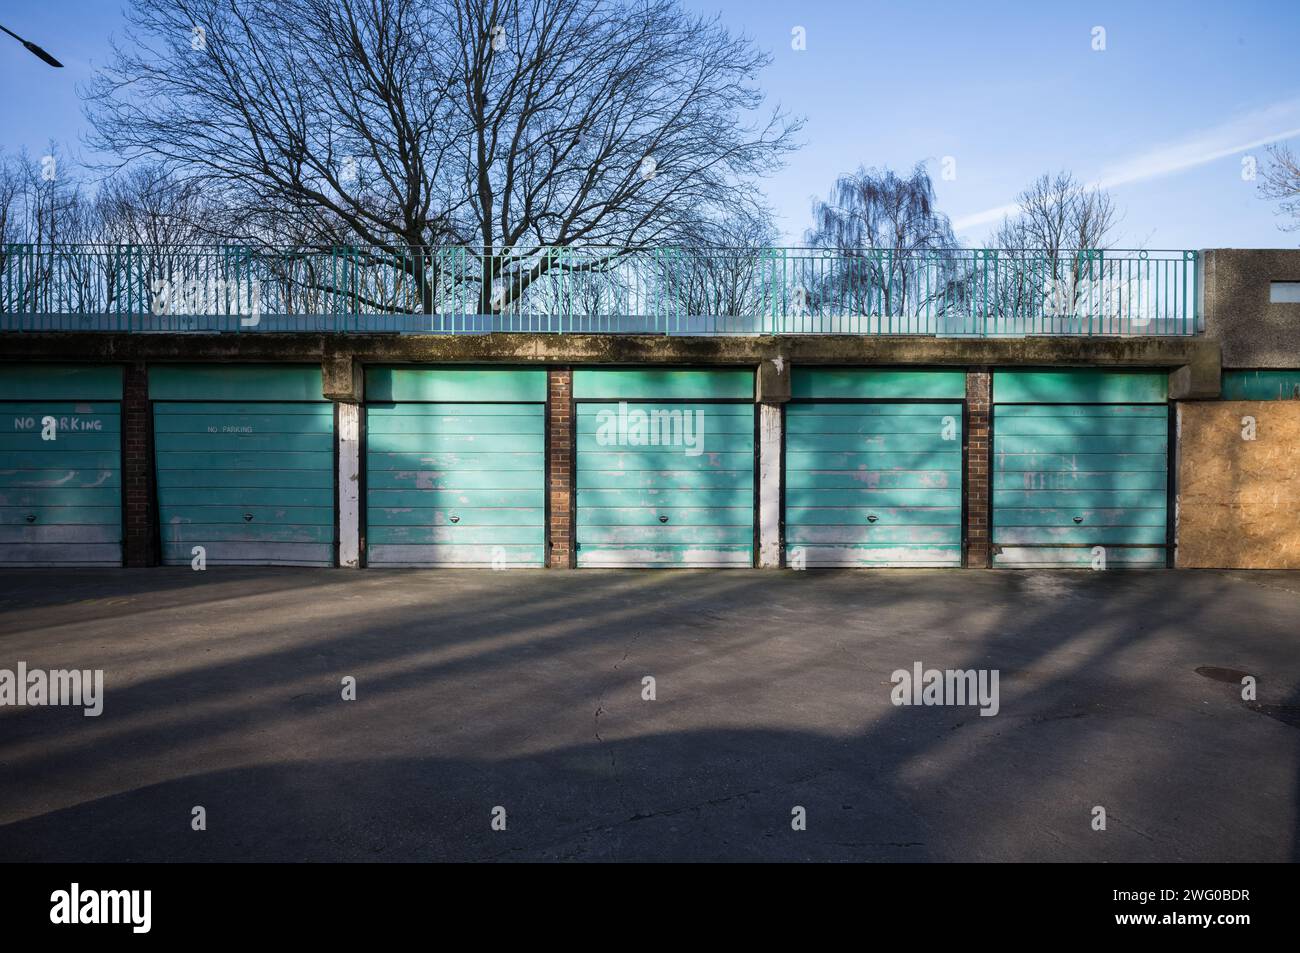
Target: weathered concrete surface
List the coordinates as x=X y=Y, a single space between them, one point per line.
x=1238 y=498
x=348 y=456
x=343 y=378
x=523 y=689
x=1253 y=332
x=612 y=349
x=772 y=382
x=1201 y=378
x=771 y=443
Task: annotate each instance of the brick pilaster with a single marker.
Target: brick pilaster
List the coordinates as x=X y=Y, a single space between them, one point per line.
x=978 y=466
x=138 y=515
x=559 y=466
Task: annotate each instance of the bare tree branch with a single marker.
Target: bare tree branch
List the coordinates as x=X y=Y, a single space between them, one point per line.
x=514 y=125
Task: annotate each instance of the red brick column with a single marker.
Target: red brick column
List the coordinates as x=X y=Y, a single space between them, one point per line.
x=138 y=515
x=978 y=466
x=559 y=466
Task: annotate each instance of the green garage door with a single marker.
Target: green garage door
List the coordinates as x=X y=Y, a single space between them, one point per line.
x=872 y=480
x=1261 y=385
x=665 y=468
x=455 y=471
x=60 y=498
x=251 y=481
x=1081 y=461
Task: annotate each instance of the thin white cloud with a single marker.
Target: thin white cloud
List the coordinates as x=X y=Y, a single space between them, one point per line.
x=1251 y=130
x=986 y=217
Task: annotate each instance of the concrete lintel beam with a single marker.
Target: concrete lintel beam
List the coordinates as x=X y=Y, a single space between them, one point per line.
x=1200 y=378
x=343 y=378
x=772 y=382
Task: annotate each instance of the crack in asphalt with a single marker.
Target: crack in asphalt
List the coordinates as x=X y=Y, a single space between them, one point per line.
x=1136 y=830
x=710 y=802
x=668 y=812
x=600 y=740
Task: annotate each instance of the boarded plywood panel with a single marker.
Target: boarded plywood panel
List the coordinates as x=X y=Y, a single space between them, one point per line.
x=1238 y=499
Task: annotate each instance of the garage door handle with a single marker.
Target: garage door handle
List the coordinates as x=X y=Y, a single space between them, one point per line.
x=663 y=519
x=31 y=517
x=872 y=518
x=454 y=519
x=1078 y=519
x=248 y=517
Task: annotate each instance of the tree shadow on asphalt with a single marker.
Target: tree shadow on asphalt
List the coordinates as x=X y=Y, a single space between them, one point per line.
x=1086 y=720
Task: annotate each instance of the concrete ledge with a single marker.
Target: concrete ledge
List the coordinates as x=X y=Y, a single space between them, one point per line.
x=612 y=349
x=1195 y=362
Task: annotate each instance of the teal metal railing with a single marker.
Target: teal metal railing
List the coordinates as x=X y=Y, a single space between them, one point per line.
x=592 y=289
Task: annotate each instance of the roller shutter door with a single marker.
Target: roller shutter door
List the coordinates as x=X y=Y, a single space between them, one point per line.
x=249 y=480
x=873 y=467
x=455 y=476
x=875 y=484
x=60 y=498
x=252 y=483
x=665 y=468
x=1075 y=483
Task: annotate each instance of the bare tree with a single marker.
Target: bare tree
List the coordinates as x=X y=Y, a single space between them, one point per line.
x=729 y=271
x=44 y=210
x=401 y=125
x=148 y=226
x=892 y=245
x=146 y=205
x=11 y=190
x=54 y=209
x=1282 y=181
x=1050 y=261
x=1057 y=213
x=11 y=229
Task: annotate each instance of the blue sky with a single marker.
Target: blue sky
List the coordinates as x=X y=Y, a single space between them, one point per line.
x=1163 y=115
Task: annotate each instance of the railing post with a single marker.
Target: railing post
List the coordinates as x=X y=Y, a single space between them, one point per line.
x=123 y=278
x=782 y=307
x=664 y=286
x=668 y=289
x=984 y=256
x=1096 y=258
x=129 y=292
x=1096 y=275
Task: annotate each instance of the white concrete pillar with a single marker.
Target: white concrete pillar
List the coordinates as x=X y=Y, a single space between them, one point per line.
x=349 y=437
x=769 y=486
